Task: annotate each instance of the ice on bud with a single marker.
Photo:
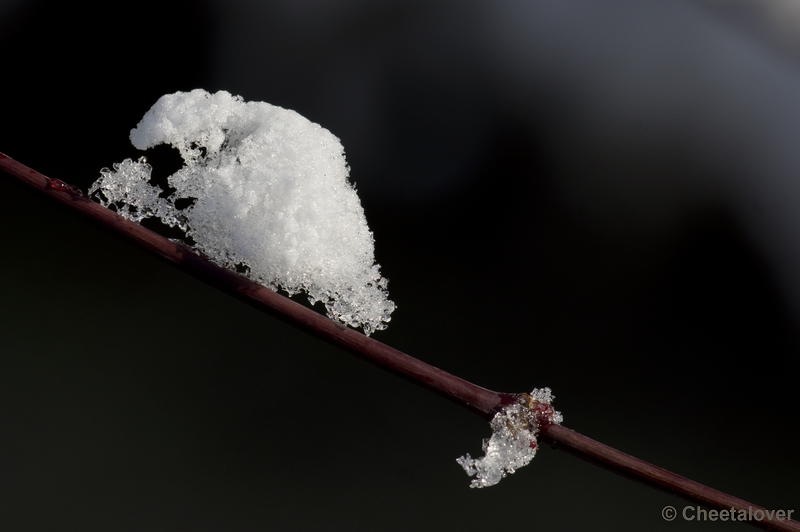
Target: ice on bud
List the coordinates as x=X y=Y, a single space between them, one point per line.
x=513 y=442
x=268 y=192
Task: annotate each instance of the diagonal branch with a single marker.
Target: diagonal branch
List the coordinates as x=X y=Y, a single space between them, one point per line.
x=485 y=403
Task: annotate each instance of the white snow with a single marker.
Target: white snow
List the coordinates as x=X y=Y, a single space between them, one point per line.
x=270 y=193
x=513 y=442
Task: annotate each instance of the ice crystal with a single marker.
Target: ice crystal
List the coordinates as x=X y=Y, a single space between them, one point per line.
x=268 y=192
x=513 y=442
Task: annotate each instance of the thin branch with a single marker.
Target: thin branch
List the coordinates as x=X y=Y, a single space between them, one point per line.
x=628 y=466
x=484 y=402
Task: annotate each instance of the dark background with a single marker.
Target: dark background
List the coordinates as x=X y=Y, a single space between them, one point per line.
x=596 y=196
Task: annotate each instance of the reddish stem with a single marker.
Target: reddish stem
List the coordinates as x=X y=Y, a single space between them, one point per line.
x=480 y=400
x=592 y=451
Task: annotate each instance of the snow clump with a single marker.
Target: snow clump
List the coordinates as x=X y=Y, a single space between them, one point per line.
x=513 y=443
x=268 y=193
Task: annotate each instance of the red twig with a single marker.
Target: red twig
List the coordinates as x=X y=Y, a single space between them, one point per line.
x=480 y=400
x=626 y=465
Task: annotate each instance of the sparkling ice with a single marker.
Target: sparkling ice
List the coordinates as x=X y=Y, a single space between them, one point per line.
x=513 y=443
x=268 y=192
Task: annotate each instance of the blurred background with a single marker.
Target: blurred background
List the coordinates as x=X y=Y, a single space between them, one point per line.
x=597 y=196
